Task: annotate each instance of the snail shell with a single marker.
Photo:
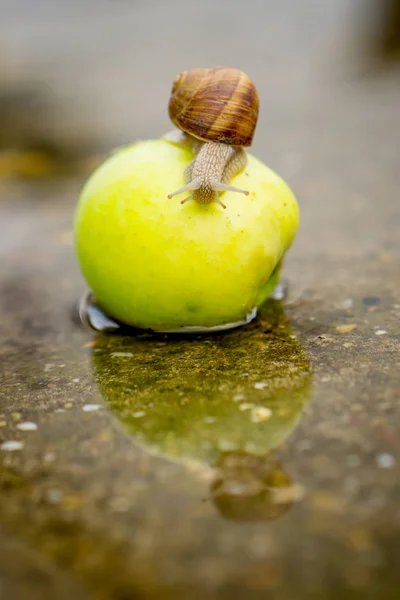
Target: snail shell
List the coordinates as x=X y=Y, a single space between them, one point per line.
x=218 y=104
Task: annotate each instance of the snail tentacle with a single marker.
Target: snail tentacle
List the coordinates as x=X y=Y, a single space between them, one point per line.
x=218 y=186
x=192 y=185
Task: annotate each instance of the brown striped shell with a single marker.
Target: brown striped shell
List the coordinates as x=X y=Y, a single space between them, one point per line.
x=218 y=104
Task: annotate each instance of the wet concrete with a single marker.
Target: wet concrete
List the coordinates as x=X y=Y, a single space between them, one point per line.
x=258 y=463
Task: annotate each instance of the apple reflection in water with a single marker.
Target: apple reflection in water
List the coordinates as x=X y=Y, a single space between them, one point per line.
x=226 y=401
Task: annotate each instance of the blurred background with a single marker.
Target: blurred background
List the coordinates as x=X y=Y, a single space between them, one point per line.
x=79 y=77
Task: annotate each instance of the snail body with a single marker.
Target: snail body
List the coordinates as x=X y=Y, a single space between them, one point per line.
x=216 y=111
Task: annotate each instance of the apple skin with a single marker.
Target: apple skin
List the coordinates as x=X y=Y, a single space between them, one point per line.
x=154 y=263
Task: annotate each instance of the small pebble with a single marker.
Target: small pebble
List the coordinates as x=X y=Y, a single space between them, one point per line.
x=121 y=354
x=27 y=426
x=371 y=300
x=326 y=378
x=260 y=413
x=345 y=304
x=11 y=446
x=76 y=380
x=386 y=461
x=346 y=328
x=91 y=407
x=3 y=423
x=49 y=457
x=54 y=496
x=261 y=385
x=380 y=332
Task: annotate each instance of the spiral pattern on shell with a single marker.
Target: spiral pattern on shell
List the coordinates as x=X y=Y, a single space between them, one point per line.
x=218 y=104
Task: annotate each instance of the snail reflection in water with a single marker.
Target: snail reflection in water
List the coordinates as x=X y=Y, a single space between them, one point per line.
x=252 y=488
x=216 y=111
x=186 y=400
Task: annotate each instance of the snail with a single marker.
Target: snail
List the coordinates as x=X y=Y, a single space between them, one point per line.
x=216 y=111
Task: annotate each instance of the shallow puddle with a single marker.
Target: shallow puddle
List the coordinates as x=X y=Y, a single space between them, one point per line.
x=198 y=397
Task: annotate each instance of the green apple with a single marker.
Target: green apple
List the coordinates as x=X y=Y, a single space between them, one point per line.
x=154 y=263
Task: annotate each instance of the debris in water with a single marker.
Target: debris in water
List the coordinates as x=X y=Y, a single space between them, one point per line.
x=260 y=413
x=385 y=461
x=261 y=385
x=91 y=407
x=238 y=397
x=49 y=457
x=138 y=414
x=11 y=446
x=27 y=426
